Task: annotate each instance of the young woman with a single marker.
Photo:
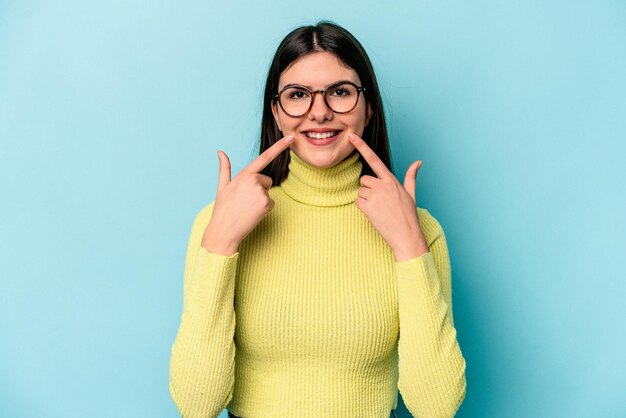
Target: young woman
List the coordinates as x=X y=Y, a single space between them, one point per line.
x=313 y=285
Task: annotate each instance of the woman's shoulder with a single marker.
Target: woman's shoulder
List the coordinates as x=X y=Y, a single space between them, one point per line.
x=429 y=224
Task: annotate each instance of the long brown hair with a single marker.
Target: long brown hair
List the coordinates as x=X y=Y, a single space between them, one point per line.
x=330 y=37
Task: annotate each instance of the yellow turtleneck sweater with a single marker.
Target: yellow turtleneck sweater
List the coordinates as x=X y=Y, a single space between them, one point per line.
x=313 y=316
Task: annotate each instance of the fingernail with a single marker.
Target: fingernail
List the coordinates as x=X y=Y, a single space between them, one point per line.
x=351 y=137
x=290 y=139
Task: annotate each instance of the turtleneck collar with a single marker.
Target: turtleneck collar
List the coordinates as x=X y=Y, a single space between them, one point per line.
x=333 y=186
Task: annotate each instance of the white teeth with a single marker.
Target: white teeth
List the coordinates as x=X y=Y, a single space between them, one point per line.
x=319 y=135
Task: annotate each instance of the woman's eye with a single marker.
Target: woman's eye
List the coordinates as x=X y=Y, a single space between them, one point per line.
x=342 y=92
x=298 y=95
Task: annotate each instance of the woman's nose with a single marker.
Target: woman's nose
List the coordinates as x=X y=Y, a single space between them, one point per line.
x=319 y=110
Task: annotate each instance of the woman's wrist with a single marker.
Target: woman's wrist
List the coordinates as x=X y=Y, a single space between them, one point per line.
x=413 y=247
x=218 y=243
x=409 y=253
x=220 y=248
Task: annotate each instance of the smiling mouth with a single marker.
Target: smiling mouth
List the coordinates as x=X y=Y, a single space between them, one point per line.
x=324 y=139
x=324 y=135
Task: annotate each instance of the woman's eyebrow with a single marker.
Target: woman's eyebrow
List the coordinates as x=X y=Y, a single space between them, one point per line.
x=311 y=88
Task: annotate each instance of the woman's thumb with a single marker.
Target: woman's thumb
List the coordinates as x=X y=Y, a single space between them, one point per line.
x=224 y=177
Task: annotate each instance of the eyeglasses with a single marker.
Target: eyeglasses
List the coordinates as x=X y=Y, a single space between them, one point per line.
x=340 y=97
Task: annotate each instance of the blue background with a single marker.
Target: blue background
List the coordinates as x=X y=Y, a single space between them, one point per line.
x=111 y=114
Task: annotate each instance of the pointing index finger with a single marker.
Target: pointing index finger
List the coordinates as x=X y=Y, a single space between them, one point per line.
x=268 y=155
x=370 y=156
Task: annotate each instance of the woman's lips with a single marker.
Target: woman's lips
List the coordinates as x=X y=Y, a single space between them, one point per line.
x=322 y=141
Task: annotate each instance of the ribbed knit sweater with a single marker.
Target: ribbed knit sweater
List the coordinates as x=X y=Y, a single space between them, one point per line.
x=313 y=317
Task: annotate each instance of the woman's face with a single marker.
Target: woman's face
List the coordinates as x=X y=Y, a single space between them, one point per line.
x=316 y=71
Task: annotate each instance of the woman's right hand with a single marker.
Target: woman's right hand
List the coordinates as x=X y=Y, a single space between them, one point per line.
x=242 y=203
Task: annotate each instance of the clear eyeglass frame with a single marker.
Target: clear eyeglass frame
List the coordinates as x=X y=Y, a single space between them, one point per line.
x=359 y=89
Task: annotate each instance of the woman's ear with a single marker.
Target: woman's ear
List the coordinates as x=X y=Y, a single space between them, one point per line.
x=275 y=113
x=369 y=113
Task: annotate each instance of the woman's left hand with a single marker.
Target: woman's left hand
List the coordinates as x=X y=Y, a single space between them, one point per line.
x=390 y=206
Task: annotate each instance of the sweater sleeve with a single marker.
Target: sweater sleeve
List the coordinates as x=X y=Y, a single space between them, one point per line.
x=431 y=365
x=202 y=357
